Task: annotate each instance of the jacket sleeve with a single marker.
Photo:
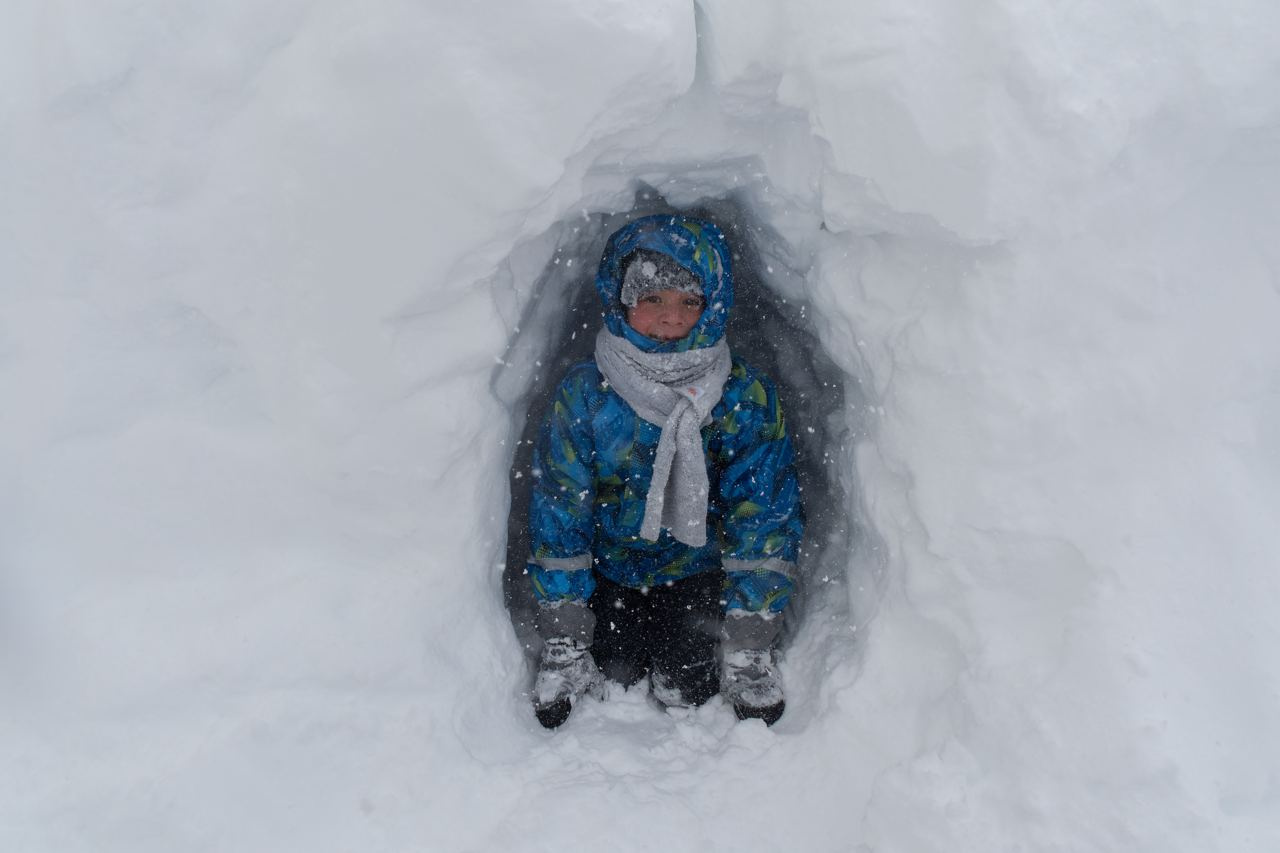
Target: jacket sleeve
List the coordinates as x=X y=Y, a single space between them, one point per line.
x=561 y=526
x=763 y=521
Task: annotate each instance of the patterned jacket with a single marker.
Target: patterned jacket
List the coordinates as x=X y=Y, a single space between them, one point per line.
x=594 y=459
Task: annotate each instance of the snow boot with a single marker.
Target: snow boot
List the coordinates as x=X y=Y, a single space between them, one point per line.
x=565 y=672
x=751 y=684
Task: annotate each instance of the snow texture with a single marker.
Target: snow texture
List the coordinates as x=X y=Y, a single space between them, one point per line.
x=280 y=284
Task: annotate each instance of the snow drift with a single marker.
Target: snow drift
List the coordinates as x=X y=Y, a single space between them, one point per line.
x=272 y=279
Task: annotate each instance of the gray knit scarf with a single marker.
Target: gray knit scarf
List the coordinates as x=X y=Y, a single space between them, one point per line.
x=675 y=391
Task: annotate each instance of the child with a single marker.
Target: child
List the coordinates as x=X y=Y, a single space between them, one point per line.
x=665 y=519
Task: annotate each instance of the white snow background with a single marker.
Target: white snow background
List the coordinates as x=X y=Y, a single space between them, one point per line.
x=263 y=270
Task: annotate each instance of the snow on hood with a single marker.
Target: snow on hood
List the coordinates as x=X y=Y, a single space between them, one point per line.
x=696 y=245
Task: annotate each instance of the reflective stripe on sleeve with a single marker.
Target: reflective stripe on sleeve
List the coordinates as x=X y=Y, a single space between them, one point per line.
x=563 y=564
x=786 y=568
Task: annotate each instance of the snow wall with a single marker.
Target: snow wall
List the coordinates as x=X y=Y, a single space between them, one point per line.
x=270 y=279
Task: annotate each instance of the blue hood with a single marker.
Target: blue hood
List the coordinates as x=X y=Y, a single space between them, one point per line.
x=696 y=245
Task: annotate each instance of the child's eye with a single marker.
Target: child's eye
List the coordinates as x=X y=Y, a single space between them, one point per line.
x=692 y=302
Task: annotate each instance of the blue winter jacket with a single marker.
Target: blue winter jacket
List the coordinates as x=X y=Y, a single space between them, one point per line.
x=594 y=458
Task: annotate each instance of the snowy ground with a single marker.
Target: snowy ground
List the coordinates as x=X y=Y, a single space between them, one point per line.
x=274 y=282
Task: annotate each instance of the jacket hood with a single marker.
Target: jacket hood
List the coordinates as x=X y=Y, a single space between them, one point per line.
x=698 y=246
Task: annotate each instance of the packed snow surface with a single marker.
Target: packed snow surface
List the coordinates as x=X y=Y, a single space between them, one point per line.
x=279 y=284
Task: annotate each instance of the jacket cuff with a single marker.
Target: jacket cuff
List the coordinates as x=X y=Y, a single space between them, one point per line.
x=757 y=591
x=561 y=578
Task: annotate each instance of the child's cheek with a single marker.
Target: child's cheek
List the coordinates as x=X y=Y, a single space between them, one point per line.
x=638 y=319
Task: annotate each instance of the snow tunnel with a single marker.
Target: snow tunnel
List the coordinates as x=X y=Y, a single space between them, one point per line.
x=772 y=326
x=1016 y=269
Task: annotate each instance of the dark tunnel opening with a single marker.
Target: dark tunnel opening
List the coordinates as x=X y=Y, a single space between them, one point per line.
x=823 y=405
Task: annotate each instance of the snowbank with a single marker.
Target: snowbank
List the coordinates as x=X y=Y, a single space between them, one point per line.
x=271 y=279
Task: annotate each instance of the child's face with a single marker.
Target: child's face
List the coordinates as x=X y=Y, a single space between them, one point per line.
x=666 y=315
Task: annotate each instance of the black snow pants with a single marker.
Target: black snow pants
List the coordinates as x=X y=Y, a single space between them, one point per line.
x=672 y=629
